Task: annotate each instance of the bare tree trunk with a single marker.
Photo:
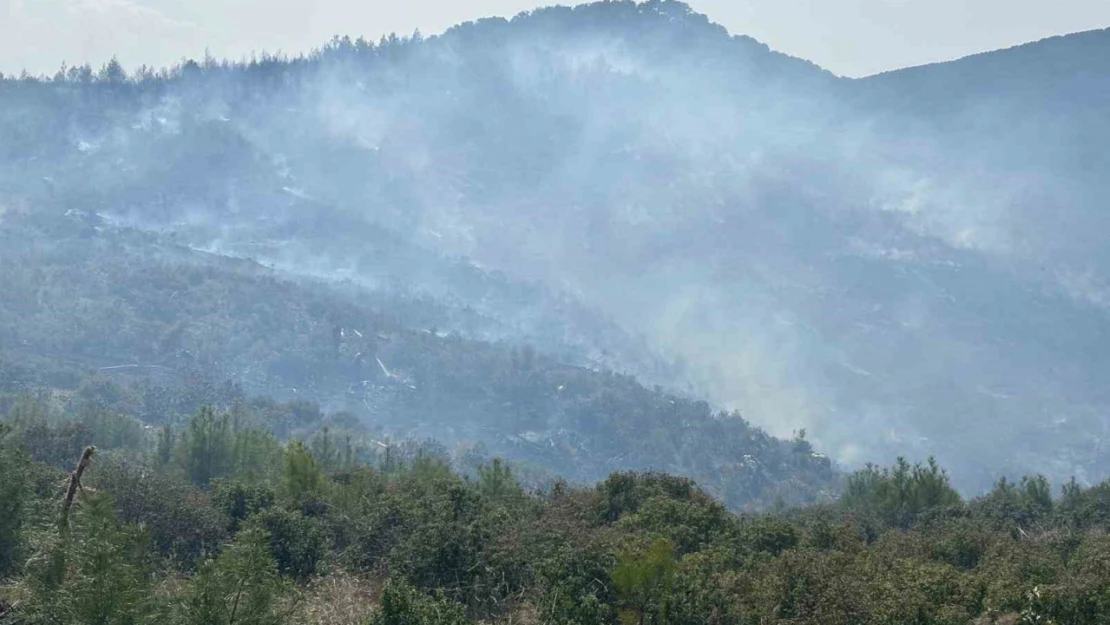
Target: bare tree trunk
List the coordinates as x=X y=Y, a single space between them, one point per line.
x=75 y=483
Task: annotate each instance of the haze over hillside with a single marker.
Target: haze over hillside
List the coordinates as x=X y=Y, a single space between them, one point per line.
x=906 y=264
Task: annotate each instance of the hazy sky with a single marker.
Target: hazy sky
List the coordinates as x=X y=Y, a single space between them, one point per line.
x=850 y=37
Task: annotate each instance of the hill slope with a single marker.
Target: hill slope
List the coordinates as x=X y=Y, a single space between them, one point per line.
x=110 y=308
x=908 y=263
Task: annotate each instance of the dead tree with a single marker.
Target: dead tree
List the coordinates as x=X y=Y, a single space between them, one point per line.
x=75 y=484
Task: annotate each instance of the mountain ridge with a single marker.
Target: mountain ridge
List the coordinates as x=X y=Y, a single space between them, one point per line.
x=1052 y=43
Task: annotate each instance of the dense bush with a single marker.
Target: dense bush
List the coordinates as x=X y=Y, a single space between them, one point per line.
x=900 y=547
x=404 y=605
x=14 y=494
x=180 y=520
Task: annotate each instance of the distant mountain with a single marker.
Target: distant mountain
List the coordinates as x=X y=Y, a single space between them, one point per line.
x=908 y=263
x=999 y=159
x=1034 y=117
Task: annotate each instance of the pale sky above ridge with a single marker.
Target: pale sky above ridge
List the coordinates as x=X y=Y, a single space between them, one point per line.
x=848 y=37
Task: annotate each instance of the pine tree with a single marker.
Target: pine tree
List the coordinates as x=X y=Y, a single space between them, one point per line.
x=206 y=448
x=256 y=454
x=303 y=479
x=324 y=449
x=94 y=571
x=112 y=72
x=401 y=604
x=163 y=453
x=642 y=579
x=496 y=481
x=241 y=587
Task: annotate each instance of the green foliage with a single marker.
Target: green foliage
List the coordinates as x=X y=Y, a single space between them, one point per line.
x=637 y=548
x=496 y=481
x=112 y=430
x=1022 y=504
x=256 y=453
x=1084 y=507
x=573 y=581
x=642 y=579
x=206 y=449
x=240 y=587
x=333 y=453
x=446 y=540
x=624 y=493
x=401 y=604
x=899 y=495
x=217 y=445
x=303 y=479
x=1036 y=494
x=178 y=517
x=297 y=543
x=14 y=493
x=767 y=534
x=164 y=449
x=54 y=442
x=28 y=411
x=240 y=500
x=94 y=573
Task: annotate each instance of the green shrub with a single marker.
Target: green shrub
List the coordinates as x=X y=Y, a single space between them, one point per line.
x=401 y=604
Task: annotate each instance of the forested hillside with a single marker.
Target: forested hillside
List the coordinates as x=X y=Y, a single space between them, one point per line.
x=909 y=263
x=155 y=331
